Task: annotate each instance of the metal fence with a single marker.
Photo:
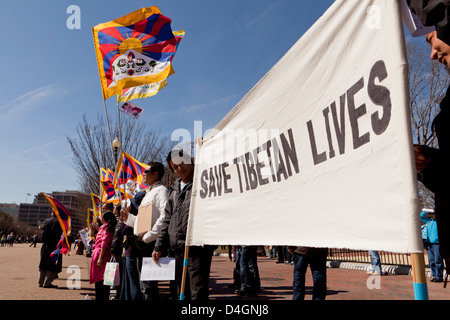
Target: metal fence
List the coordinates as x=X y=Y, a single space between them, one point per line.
x=361 y=256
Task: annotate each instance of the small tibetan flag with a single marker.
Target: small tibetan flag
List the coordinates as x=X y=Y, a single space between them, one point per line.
x=130 y=172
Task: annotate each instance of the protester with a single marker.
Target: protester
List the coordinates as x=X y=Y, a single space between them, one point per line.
x=375 y=262
x=174 y=230
x=117 y=252
x=125 y=242
x=316 y=258
x=155 y=194
x=236 y=285
x=431 y=244
x=433 y=164
x=280 y=254
x=33 y=241
x=101 y=254
x=79 y=244
x=249 y=272
x=48 y=267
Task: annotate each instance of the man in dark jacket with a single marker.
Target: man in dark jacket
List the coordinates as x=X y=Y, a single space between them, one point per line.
x=433 y=165
x=173 y=232
x=48 y=268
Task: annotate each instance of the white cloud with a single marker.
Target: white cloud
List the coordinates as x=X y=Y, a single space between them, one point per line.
x=198 y=107
x=262 y=15
x=30 y=101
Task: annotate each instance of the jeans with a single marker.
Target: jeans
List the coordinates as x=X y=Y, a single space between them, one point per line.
x=249 y=269
x=435 y=259
x=318 y=265
x=237 y=268
x=132 y=287
x=376 y=261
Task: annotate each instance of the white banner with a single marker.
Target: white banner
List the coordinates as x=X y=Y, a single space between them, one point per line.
x=319 y=152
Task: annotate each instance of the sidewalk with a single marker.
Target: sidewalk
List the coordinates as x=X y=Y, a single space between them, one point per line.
x=19 y=275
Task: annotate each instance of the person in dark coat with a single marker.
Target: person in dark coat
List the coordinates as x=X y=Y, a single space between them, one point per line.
x=174 y=229
x=433 y=165
x=48 y=268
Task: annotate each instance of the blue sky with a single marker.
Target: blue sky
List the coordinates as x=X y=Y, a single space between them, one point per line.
x=50 y=77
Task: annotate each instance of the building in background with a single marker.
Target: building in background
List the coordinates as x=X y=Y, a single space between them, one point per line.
x=11 y=209
x=34 y=214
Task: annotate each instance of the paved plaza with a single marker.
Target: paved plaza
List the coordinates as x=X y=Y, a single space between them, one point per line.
x=19 y=276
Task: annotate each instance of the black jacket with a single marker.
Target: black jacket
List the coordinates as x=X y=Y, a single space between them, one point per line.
x=173 y=232
x=437 y=176
x=50 y=238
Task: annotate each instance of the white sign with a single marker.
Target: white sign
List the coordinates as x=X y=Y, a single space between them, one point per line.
x=163 y=270
x=319 y=152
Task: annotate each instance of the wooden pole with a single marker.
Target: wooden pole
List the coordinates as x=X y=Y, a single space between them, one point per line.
x=419 y=279
x=183 y=278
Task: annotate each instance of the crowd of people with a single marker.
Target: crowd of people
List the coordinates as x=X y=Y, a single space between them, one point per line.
x=9 y=239
x=116 y=238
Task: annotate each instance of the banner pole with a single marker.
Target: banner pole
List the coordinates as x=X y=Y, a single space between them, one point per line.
x=419 y=279
x=183 y=277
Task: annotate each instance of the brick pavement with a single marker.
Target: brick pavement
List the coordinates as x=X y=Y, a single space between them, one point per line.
x=19 y=274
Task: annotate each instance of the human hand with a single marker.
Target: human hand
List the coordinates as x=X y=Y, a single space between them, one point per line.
x=124 y=213
x=156 y=255
x=422 y=156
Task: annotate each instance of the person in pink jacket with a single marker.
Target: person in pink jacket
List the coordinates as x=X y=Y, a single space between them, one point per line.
x=101 y=254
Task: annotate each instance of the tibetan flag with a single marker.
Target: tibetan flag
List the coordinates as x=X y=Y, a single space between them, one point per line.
x=90 y=217
x=110 y=192
x=106 y=175
x=96 y=206
x=133 y=50
x=63 y=216
x=130 y=172
x=61 y=248
x=144 y=91
x=147 y=90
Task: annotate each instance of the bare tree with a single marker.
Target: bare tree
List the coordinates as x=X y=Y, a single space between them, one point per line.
x=428 y=82
x=92 y=148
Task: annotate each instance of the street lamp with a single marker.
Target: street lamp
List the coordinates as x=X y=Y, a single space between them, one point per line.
x=116 y=146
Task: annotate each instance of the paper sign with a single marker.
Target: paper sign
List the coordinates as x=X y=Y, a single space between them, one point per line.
x=163 y=270
x=144 y=218
x=84 y=237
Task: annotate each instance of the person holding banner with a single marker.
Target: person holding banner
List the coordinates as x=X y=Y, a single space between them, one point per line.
x=174 y=231
x=156 y=195
x=433 y=165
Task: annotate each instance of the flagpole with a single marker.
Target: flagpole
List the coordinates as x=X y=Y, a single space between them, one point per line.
x=419 y=279
x=121 y=150
x=198 y=141
x=109 y=128
x=183 y=277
